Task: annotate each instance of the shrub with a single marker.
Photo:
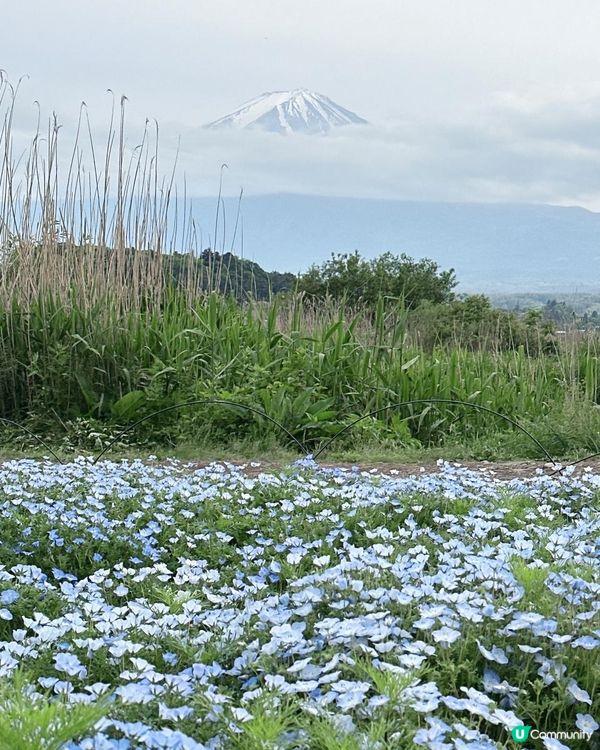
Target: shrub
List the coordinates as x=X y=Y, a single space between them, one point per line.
x=355 y=279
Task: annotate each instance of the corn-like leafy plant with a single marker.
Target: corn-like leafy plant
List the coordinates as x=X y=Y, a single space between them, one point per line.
x=30 y=721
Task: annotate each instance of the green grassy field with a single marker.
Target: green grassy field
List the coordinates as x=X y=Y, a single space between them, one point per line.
x=79 y=374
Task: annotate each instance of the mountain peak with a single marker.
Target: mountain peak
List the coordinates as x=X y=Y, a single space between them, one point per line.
x=295 y=111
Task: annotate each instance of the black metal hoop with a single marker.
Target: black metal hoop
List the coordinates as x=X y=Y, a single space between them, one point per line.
x=434 y=401
x=301 y=446
x=33 y=435
x=198 y=402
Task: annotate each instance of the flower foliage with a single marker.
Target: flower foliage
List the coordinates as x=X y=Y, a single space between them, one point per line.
x=308 y=608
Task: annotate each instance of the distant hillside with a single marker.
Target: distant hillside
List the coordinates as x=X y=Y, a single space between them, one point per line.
x=494 y=248
x=579 y=303
x=210 y=270
x=228 y=273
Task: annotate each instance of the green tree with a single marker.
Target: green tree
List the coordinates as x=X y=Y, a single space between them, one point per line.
x=474 y=324
x=355 y=279
x=558 y=312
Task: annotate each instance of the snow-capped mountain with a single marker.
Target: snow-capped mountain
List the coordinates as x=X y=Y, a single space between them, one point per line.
x=298 y=111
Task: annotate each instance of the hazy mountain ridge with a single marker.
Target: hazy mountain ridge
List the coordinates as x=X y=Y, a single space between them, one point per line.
x=498 y=248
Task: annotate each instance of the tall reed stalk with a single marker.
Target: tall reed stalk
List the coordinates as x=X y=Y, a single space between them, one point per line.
x=103 y=221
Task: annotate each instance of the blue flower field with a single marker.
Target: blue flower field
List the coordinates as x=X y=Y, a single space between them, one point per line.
x=159 y=606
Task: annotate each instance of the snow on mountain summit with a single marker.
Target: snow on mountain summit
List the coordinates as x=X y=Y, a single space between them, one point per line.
x=297 y=111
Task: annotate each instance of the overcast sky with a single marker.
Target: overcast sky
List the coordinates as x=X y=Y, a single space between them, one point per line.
x=468 y=99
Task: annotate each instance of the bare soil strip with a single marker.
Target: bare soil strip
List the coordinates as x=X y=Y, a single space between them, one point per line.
x=504 y=470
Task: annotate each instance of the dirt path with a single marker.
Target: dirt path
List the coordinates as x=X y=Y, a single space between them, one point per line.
x=498 y=469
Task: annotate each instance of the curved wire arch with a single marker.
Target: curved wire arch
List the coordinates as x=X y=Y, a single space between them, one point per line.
x=575 y=463
x=33 y=435
x=197 y=402
x=434 y=401
x=300 y=445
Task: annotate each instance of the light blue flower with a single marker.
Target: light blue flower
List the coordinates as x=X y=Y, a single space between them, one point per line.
x=445 y=635
x=586 y=723
x=174 y=714
x=496 y=654
x=580 y=695
x=550 y=743
x=69 y=663
x=9 y=596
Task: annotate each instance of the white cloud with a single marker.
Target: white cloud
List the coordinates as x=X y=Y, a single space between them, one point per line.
x=518 y=148
x=548 y=153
